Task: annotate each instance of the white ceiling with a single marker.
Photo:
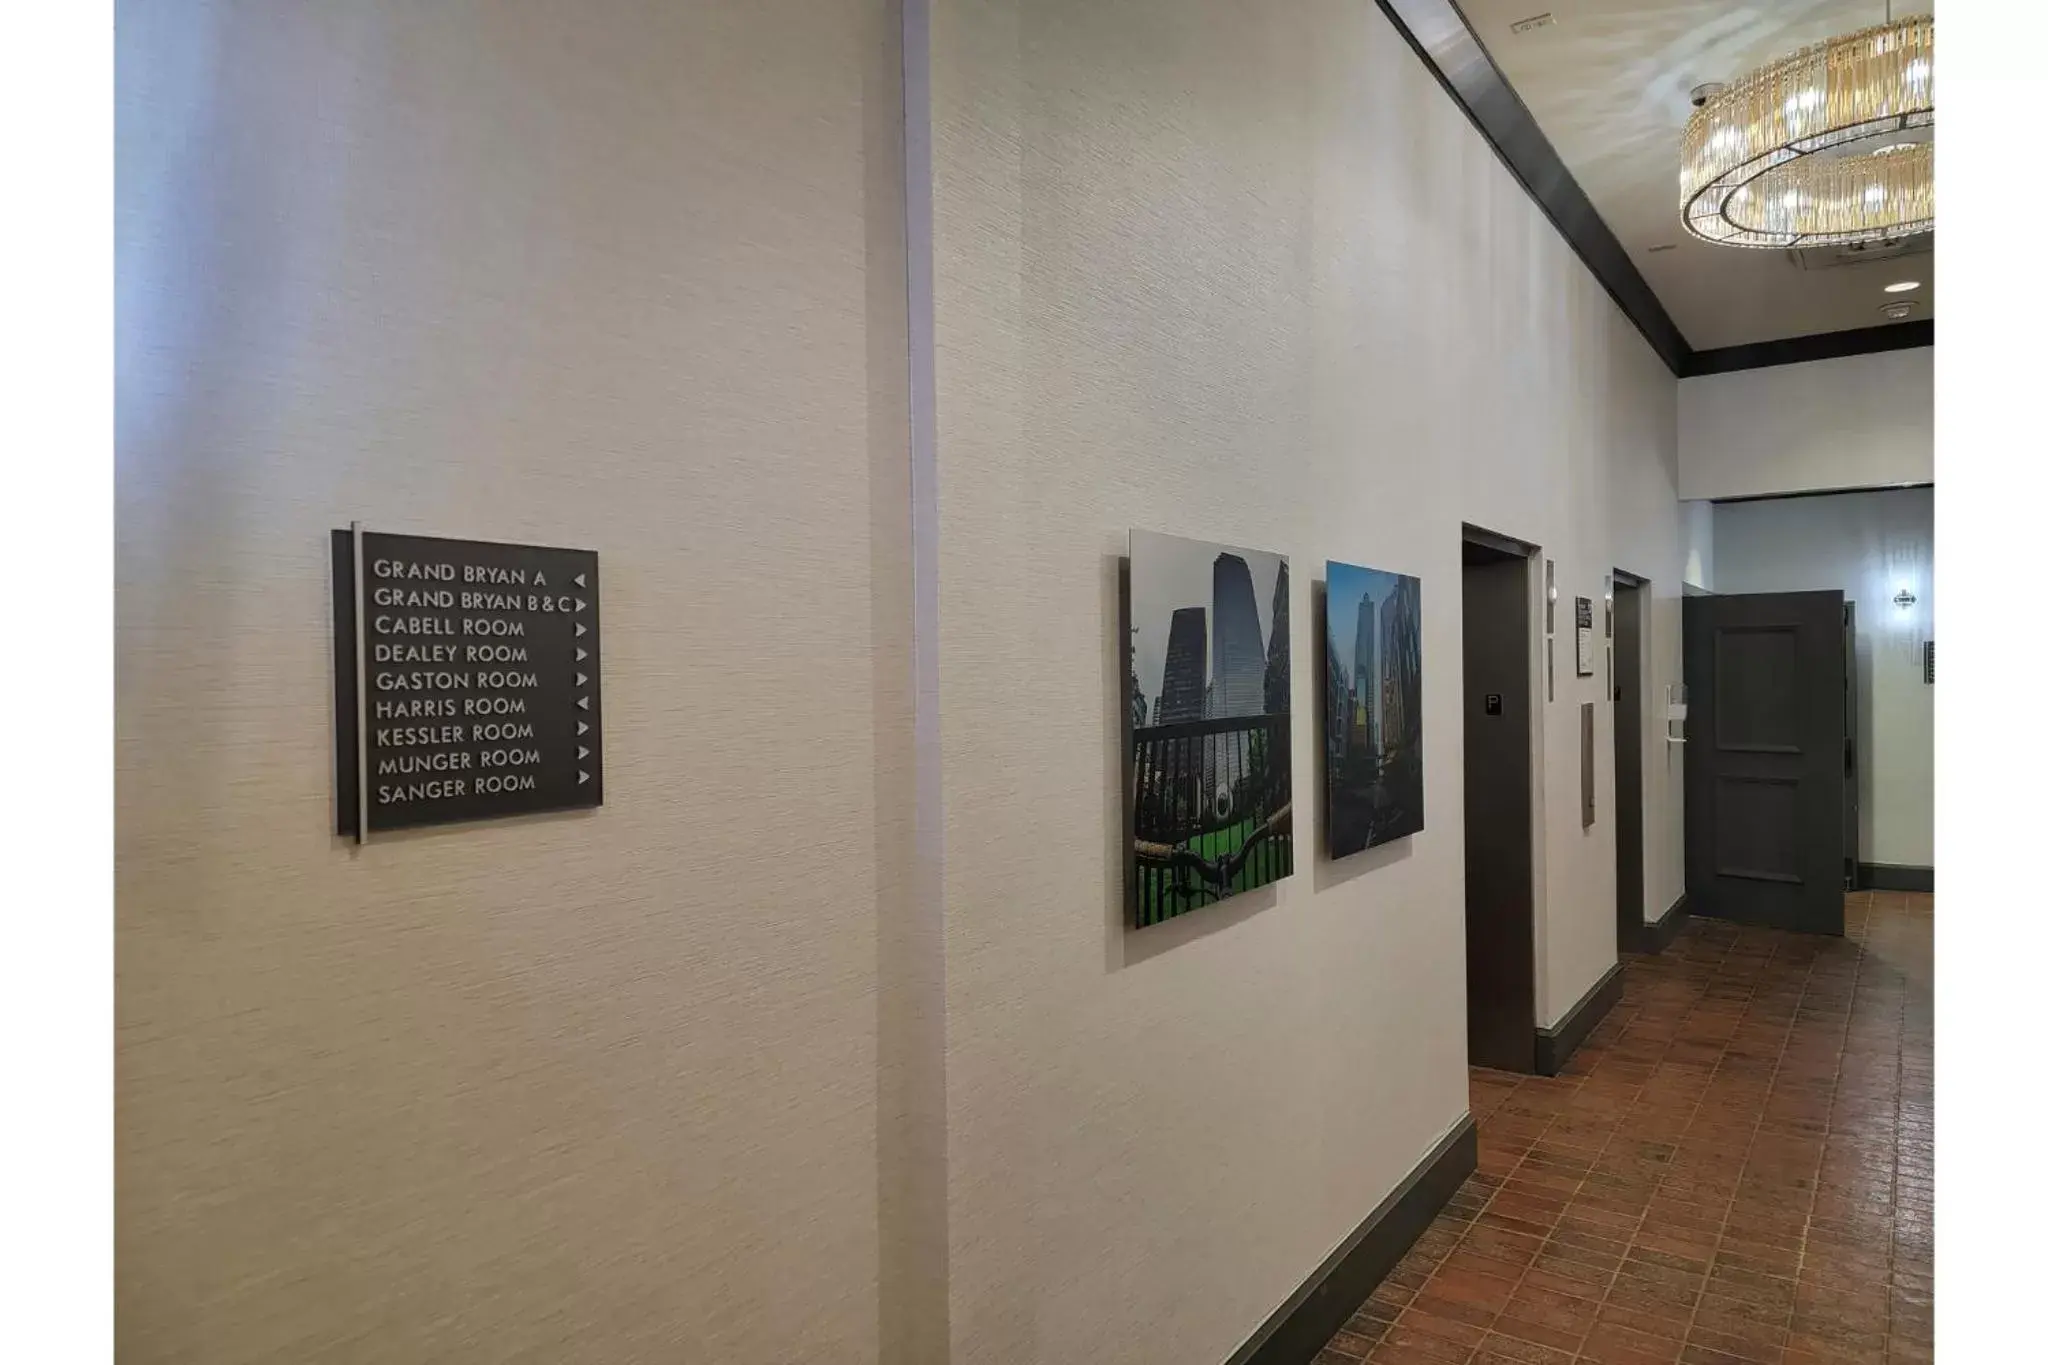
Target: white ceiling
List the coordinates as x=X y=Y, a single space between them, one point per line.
x=1609 y=81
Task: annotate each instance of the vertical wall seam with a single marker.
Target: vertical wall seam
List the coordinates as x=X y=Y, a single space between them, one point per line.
x=915 y=1286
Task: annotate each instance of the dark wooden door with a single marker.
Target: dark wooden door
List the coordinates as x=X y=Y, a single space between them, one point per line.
x=1628 y=765
x=1852 y=759
x=1500 y=916
x=1766 y=733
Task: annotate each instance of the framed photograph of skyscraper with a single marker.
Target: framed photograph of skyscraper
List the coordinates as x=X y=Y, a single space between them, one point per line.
x=1209 y=769
x=1372 y=707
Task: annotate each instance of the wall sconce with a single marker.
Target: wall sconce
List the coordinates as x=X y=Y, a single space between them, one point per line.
x=1904 y=599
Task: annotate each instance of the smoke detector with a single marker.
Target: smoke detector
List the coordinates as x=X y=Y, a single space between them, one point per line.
x=1900 y=309
x=1531 y=24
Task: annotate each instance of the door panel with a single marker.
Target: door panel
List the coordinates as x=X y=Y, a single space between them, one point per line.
x=1628 y=764
x=1500 y=917
x=1756 y=689
x=1764 y=769
x=1759 y=822
x=1852 y=780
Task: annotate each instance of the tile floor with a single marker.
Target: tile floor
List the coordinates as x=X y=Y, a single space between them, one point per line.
x=1737 y=1166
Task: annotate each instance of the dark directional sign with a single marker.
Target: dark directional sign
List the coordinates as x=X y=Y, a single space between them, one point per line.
x=465 y=681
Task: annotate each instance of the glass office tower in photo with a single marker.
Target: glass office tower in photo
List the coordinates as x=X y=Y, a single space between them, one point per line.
x=1209 y=777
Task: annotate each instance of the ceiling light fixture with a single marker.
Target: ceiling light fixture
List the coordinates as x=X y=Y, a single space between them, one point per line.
x=1776 y=159
x=1902 y=287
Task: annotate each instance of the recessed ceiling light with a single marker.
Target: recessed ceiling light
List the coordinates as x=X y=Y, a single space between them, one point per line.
x=1902 y=308
x=1902 y=287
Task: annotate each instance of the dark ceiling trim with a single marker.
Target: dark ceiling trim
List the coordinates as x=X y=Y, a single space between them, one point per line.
x=1437 y=30
x=1444 y=40
x=1893 y=336
x=1820 y=493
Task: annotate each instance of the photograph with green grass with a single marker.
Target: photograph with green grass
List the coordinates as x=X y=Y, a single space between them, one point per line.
x=1209 y=776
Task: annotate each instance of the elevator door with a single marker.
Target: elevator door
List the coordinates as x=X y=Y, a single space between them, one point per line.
x=1500 y=937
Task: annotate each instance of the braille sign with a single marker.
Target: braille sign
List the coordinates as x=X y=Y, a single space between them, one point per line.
x=466 y=681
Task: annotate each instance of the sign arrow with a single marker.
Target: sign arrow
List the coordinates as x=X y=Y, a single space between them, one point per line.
x=582 y=752
x=581 y=679
x=581 y=654
x=583 y=703
x=578 y=580
x=582 y=777
x=581 y=604
x=581 y=630
x=582 y=727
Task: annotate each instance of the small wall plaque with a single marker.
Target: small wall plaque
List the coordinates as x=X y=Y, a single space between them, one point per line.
x=466 y=681
x=1583 y=609
x=1585 y=763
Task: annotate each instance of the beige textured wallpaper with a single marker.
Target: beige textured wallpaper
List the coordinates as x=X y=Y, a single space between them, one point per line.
x=1238 y=272
x=748 y=1066
x=619 y=275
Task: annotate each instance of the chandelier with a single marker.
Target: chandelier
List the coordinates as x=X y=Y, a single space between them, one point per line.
x=1831 y=145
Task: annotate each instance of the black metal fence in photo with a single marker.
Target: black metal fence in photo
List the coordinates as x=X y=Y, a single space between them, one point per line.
x=1211 y=811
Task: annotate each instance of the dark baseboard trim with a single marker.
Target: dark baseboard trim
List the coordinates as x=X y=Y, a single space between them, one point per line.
x=1894 y=877
x=1302 y=1326
x=1658 y=933
x=1556 y=1044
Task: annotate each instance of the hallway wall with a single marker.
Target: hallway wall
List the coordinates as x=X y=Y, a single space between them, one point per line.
x=1864 y=421
x=1869 y=545
x=1241 y=273
x=736 y=1068
x=628 y=276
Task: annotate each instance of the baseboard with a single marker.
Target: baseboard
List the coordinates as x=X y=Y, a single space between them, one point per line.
x=1894 y=877
x=1658 y=933
x=1556 y=1044
x=1302 y=1326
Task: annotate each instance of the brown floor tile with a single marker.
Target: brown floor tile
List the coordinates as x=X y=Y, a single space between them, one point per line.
x=1404 y=1346
x=1749 y=1342
x=1453 y=1283
x=1737 y=1169
x=1350 y=1344
x=1613 y=1344
x=1503 y=1350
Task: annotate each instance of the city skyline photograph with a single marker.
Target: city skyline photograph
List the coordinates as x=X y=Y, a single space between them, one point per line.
x=1372 y=707
x=1209 y=672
